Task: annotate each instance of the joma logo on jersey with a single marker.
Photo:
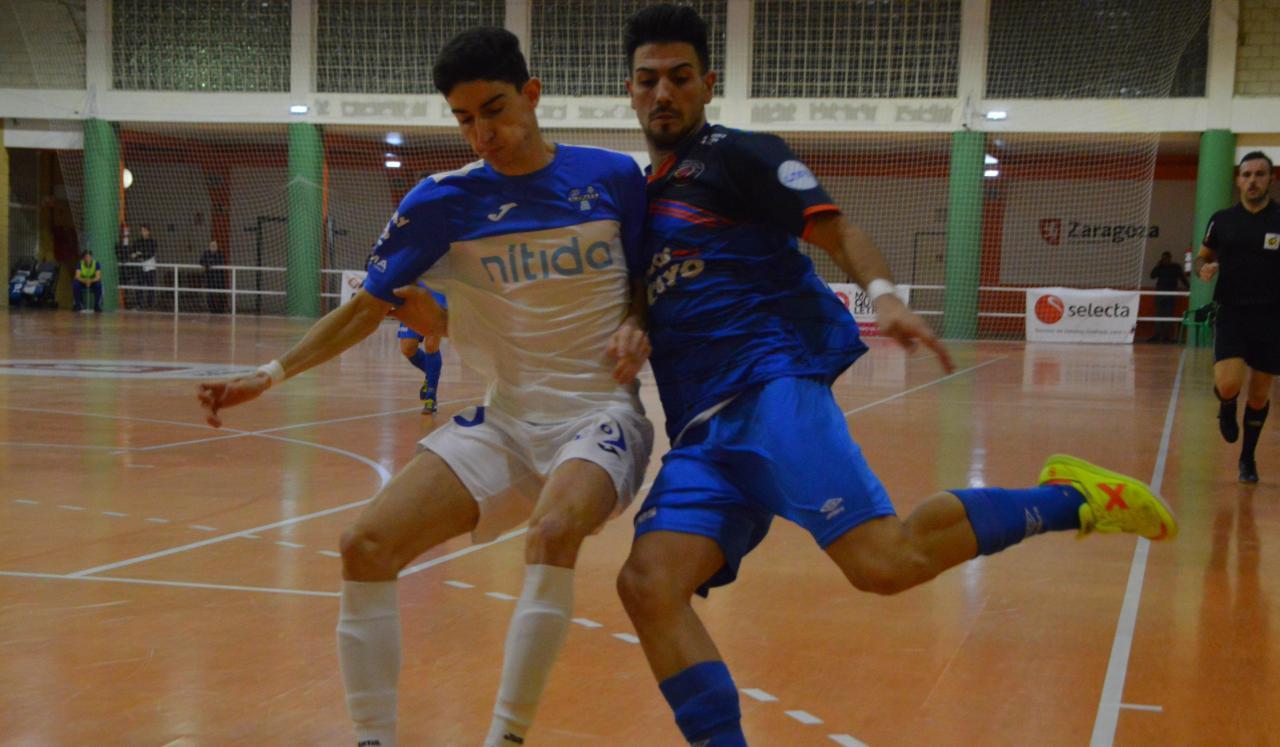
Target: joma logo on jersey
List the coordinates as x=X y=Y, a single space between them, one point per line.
x=521 y=264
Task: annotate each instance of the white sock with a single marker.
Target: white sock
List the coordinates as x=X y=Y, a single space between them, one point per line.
x=537 y=631
x=369 y=651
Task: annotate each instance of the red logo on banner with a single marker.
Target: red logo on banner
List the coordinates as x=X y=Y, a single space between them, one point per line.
x=1049 y=309
x=1051 y=230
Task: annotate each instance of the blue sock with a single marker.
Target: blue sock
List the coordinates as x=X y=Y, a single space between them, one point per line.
x=434 y=362
x=419 y=360
x=705 y=702
x=1001 y=518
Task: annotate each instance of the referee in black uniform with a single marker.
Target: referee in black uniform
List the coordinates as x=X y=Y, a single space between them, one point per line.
x=1243 y=243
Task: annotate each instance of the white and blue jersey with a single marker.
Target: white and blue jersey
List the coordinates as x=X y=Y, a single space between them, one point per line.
x=536 y=268
x=732 y=302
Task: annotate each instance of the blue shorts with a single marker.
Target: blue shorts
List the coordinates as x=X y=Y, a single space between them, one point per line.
x=404 y=333
x=779 y=449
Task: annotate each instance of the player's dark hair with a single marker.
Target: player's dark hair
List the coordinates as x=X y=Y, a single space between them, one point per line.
x=484 y=53
x=1256 y=154
x=667 y=22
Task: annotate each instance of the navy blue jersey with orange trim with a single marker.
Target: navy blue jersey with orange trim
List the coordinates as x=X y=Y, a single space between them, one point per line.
x=733 y=302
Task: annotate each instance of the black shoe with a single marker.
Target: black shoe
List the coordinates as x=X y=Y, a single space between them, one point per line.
x=1227 y=424
x=1248 y=471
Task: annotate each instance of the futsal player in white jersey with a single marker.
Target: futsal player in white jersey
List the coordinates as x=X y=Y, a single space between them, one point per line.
x=535 y=247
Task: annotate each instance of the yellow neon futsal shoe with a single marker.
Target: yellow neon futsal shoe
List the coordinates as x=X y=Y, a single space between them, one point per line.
x=1113 y=502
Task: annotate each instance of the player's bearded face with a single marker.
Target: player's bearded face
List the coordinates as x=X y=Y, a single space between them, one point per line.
x=1254 y=180
x=669 y=92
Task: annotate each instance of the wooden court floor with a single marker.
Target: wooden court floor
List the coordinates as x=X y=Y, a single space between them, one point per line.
x=162 y=583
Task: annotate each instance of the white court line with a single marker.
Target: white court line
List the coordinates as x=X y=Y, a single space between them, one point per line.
x=1104 y=725
x=1140 y=707
x=383 y=474
x=757 y=694
x=626 y=637
x=386 y=477
x=282 y=543
x=178 y=584
x=241 y=434
x=156 y=520
x=330 y=553
x=203 y=528
x=26 y=501
x=114 y=513
x=584 y=622
x=460 y=584
x=70 y=508
x=804 y=717
x=846 y=740
x=925 y=385
x=500 y=595
x=75 y=447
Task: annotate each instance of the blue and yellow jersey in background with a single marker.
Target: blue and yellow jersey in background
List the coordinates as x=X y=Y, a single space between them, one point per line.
x=733 y=302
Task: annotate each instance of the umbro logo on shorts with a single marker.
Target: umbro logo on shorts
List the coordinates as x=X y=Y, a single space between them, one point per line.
x=832 y=508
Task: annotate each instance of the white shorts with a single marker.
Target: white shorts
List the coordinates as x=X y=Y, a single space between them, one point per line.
x=503 y=462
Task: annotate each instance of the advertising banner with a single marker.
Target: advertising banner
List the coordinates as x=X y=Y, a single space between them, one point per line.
x=856 y=301
x=1071 y=315
x=351 y=282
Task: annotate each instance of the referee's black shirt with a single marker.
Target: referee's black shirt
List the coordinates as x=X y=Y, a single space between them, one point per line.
x=1248 y=249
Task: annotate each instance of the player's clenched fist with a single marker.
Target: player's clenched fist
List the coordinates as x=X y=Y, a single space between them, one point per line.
x=215 y=395
x=630 y=345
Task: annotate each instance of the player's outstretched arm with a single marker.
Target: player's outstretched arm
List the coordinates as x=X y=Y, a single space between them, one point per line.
x=337 y=331
x=854 y=252
x=630 y=342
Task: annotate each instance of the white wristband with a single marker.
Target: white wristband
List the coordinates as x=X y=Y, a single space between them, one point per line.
x=879 y=287
x=274 y=371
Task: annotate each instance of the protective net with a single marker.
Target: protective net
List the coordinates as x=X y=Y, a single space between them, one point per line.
x=1080 y=206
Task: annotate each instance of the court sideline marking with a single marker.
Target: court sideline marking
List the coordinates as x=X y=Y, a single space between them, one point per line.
x=384 y=475
x=1104 y=725
x=925 y=385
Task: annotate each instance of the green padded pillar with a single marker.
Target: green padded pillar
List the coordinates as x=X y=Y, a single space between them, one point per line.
x=102 y=203
x=1215 y=176
x=964 y=235
x=306 y=219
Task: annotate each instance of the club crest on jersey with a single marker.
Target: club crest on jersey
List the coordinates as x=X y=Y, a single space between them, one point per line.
x=795 y=175
x=583 y=197
x=687 y=171
x=1271 y=241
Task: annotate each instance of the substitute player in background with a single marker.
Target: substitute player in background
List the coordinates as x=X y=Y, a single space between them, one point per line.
x=534 y=246
x=423 y=353
x=746 y=343
x=1243 y=244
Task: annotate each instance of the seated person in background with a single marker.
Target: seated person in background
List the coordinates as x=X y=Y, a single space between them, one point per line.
x=88 y=277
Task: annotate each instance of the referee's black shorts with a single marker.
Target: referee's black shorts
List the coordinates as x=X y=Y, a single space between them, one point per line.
x=1249 y=332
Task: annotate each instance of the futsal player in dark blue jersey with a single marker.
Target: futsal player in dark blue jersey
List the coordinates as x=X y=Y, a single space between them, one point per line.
x=746 y=343
x=423 y=353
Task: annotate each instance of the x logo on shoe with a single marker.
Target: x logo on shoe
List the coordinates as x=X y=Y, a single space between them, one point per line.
x=1114 y=491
